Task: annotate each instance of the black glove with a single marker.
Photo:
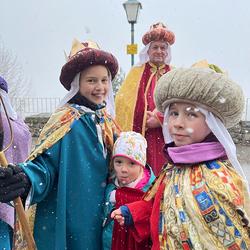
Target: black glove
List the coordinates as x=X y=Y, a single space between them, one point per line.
x=13 y=183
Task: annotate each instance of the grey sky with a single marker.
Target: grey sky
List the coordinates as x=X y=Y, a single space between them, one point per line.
x=39 y=31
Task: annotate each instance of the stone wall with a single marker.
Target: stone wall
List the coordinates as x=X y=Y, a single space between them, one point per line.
x=239 y=133
x=36 y=123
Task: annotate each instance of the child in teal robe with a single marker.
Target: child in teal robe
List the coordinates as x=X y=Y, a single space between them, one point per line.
x=66 y=173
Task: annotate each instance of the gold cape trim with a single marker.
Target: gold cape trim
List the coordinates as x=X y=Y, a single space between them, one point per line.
x=126 y=97
x=57 y=126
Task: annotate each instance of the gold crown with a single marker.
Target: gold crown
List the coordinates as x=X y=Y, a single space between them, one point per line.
x=77 y=46
x=204 y=64
x=201 y=64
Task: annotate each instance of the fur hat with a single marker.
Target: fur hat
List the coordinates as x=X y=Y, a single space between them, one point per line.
x=202 y=87
x=158 y=32
x=131 y=145
x=3 y=85
x=83 y=55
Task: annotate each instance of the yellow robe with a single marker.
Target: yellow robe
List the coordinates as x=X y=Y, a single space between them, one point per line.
x=126 y=97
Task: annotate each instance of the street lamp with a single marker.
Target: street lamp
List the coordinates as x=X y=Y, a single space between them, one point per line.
x=132 y=8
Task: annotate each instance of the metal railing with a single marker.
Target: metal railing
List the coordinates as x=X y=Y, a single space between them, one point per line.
x=28 y=106
x=247 y=110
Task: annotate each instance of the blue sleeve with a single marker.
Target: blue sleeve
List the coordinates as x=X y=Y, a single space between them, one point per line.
x=42 y=172
x=108 y=207
x=128 y=220
x=108 y=223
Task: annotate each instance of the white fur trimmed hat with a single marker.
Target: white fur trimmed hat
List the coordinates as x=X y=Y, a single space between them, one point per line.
x=202 y=87
x=131 y=145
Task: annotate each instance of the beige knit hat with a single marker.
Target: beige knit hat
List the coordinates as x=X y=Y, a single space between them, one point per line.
x=131 y=145
x=202 y=87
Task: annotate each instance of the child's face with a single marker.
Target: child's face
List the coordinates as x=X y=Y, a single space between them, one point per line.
x=126 y=170
x=94 y=83
x=186 y=124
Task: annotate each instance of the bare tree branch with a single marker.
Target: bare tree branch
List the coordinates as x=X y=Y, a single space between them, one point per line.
x=118 y=80
x=12 y=72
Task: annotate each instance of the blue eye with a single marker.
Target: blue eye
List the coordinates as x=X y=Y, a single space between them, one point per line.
x=192 y=115
x=173 y=113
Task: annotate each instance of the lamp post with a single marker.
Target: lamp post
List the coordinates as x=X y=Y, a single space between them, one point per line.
x=132 y=8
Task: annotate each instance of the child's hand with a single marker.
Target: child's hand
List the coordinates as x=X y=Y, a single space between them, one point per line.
x=117 y=215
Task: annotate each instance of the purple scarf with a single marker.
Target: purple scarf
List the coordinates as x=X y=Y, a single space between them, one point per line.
x=195 y=153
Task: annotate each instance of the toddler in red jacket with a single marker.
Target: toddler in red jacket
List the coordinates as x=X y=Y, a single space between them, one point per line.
x=132 y=178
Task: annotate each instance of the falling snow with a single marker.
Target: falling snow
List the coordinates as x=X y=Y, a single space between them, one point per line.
x=222 y=100
x=189 y=130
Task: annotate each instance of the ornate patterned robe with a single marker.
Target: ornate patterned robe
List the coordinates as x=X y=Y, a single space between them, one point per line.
x=203 y=206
